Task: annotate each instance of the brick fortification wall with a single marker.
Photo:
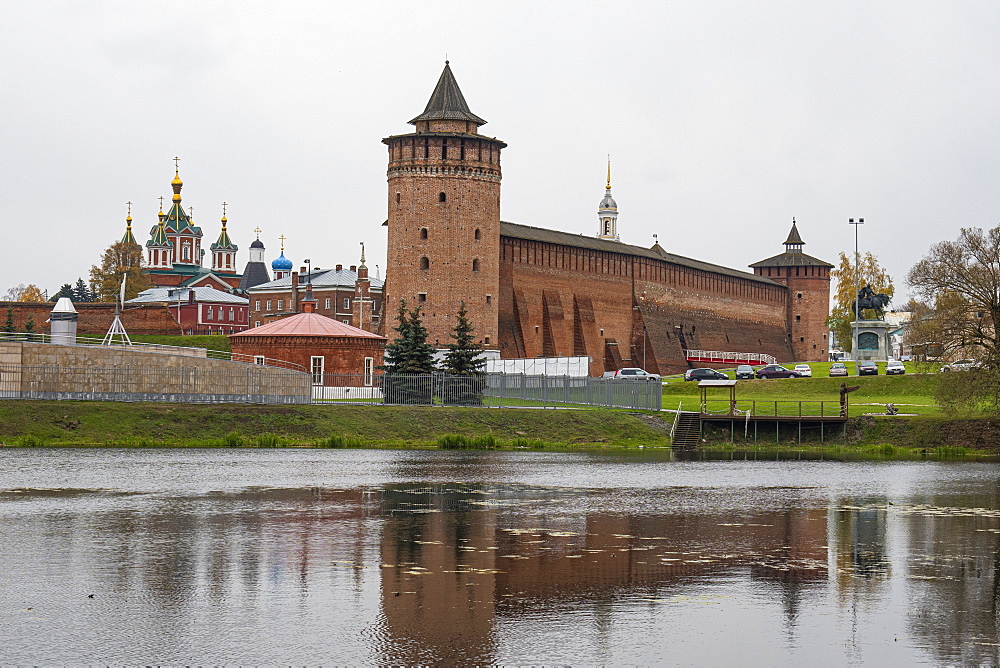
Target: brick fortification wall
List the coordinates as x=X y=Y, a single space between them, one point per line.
x=624 y=310
x=95 y=318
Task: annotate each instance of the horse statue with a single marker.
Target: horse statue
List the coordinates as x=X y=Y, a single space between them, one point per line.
x=867 y=299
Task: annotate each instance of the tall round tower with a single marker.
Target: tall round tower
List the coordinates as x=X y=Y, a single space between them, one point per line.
x=444 y=217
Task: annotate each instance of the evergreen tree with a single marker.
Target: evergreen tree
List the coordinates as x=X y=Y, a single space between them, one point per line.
x=8 y=325
x=29 y=324
x=65 y=291
x=409 y=361
x=464 y=362
x=80 y=292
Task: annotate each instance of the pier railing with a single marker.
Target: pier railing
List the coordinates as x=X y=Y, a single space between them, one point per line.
x=755 y=408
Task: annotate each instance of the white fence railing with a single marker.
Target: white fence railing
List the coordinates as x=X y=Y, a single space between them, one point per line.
x=720 y=357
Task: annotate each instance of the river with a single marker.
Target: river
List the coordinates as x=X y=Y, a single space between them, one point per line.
x=274 y=556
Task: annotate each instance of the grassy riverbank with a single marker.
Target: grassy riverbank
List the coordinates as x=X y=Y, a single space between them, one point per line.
x=86 y=423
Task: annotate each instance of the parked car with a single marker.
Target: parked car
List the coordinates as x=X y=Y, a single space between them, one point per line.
x=894 y=368
x=960 y=365
x=704 y=374
x=744 y=372
x=804 y=370
x=631 y=373
x=776 y=371
x=867 y=368
x=838 y=369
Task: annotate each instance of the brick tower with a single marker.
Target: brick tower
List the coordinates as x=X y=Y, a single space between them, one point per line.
x=808 y=282
x=444 y=218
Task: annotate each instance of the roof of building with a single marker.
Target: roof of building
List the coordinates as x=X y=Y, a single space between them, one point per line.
x=224 y=242
x=791 y=260
x=793 y=236
x=201 y=294
x=282 y=263
x=308 y=324
x=447 y=102
x=128 y=237
x=793 y=255
x=517 y=231
x=256 y=243
x=254 y=274
x=321 y=278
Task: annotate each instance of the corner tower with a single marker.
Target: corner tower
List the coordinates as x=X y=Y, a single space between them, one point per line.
x=444 y=217
x=808 y=302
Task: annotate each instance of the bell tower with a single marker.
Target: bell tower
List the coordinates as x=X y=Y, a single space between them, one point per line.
x=444 y=218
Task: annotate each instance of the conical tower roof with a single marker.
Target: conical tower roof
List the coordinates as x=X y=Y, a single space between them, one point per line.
x=793 y=236
x=224 y=242
x=128 y=237
x=447 y=102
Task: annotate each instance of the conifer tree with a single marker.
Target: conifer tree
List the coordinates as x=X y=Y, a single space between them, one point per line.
x=409 y=361
x=8 y=325
x=29 y=324
x=65 y=291
x=464 y=362
x=80 y=292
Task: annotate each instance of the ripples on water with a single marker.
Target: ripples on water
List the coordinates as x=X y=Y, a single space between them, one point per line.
x=415 y=557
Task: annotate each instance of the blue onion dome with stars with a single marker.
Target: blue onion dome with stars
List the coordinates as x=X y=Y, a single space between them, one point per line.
x=282 y=263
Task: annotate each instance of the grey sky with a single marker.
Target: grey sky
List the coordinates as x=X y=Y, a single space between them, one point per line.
x=722 y=121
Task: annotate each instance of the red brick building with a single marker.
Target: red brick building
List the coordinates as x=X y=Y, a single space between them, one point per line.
x=200 y=310
x=348 y=295
x=334 y=352
x=537 y=292
x=95 y=318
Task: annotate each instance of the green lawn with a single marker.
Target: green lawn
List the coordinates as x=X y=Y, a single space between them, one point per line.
x=912 y=393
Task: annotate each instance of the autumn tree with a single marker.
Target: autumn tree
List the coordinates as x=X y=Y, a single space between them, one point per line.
x=961 y=280
x=870 y=273
x=120 y=259
x=32 y=293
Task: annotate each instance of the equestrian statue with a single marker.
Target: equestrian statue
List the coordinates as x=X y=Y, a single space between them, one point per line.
x=867 y=299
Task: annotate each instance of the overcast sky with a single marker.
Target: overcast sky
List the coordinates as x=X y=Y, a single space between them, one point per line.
x=723 y=121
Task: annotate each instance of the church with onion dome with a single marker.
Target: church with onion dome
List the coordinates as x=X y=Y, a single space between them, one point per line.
x=175 y=257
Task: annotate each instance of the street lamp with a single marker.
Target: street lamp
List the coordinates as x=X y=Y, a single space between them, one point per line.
x=857 y=289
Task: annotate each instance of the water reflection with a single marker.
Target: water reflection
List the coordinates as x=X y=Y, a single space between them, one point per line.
x=710 y=569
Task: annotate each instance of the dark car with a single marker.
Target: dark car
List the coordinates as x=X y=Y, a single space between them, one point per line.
x=867 y=368
x=744 y=372
x=704 y=374
x=776 y=371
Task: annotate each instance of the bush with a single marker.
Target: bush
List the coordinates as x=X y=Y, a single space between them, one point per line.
x=234 y=439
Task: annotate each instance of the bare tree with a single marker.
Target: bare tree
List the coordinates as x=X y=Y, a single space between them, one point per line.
x=961 y=279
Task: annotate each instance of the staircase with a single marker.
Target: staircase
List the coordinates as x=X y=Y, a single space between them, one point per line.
x=686 y=430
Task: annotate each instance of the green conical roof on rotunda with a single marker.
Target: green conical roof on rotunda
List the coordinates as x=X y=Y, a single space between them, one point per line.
x=447 y=102
x=177 y=219
x=159 y=237
x=128 y=237
x=224 y=242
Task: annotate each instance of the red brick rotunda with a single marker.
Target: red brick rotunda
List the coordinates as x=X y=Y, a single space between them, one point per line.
x=336 y=354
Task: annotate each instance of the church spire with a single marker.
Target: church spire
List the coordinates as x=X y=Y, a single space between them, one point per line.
x=129 y=238
x=607 y=212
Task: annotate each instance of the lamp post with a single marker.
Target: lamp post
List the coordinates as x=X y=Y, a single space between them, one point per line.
x=857 y=289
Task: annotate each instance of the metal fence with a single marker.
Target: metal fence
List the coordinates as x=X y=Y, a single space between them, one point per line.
x=492 y=389
x=250 y=384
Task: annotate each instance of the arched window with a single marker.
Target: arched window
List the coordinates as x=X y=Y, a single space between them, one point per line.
x=475 y=264
x=425 y=263
x=442 y=197
x=423 y=232
x=478 y=235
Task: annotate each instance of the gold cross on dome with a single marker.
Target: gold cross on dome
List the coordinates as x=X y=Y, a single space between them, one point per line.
x=282 y=237
x=129 y=207
x=161 y=202
x=177 y=165
x=224 y=205
x=257 y=230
